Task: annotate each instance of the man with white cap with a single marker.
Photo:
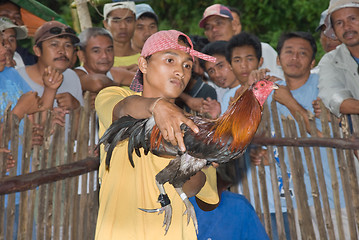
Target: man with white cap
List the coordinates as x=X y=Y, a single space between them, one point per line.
x=327 y=43
x=339 y=77
x=11 y=33
x=146 y=25
x=119 y=19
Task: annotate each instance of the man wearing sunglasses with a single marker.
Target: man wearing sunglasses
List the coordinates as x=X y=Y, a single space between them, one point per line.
x=54 y=47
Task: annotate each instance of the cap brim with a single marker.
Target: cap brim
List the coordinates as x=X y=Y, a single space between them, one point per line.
x=74 y=37
x=203 y=21
x=21 y=32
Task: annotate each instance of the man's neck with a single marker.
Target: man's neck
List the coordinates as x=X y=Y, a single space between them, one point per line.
x=354 y=51
x=294 y=83
x=123 y=49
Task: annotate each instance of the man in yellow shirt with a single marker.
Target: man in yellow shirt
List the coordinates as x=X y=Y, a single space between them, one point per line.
x=120 y=19
x=164 y=70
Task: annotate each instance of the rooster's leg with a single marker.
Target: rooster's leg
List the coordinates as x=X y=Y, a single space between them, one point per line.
x=165 y=207
x=189 y=208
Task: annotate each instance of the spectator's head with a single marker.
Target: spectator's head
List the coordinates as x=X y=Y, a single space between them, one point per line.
x=96 y=50
x=146 y=25
x=236 y=23
x=327 y=43
x=165 y=64
x=54 y=45
x=220 y=72
x=244 y=53
x=2 y=54
x=343 y=21
x=11 y=33
x=198 y=43
x=12 y=11
x=296 y=54
x=120 y=19
x=217 y=23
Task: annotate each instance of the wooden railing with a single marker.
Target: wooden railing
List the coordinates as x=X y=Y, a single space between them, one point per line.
x=58 y=190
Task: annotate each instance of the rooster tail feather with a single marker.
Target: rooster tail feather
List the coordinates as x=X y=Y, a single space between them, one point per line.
x=119 y=130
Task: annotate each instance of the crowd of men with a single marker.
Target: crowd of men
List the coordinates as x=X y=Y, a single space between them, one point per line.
x=109 y=56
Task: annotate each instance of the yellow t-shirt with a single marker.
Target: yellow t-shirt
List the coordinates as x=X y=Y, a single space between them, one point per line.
x=125 y=189
x=126 y=61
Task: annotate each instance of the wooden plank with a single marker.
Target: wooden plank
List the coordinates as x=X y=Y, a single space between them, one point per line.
x=284 y=171
x=25 y=159
x=41 y=222
x=264 y=195
x=351 y=181
x=274 y=178
x=14 y=136
x=35 y=165
x=296 y=166
x=5 y=135
x=312 y=176
x=345 y=180
x=69 y=188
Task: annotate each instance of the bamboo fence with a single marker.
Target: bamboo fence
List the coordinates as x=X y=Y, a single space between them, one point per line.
x=58 y=190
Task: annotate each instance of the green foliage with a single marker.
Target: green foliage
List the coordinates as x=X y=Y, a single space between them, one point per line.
x=265 y=18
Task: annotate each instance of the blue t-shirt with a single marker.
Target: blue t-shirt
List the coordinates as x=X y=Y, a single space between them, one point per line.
x=234 y=218
x=12 y=86
x=304 y=95
x=226 y=98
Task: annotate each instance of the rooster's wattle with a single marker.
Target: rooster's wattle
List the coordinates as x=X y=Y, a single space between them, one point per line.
x=220 y=141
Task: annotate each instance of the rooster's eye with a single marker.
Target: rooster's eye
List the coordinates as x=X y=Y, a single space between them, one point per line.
x=262 y=84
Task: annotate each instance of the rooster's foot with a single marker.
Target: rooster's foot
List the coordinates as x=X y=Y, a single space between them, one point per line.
x=189 y=208
x=166 y=207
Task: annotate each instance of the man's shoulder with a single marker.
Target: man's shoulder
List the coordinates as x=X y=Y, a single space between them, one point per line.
x=69 y=73
x=116 y=90
x=11 y=72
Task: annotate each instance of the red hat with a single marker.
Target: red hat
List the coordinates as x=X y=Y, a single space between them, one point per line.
x=161 y=41
x=215 y=10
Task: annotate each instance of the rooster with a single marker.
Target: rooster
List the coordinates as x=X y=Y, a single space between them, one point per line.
x=219 y=141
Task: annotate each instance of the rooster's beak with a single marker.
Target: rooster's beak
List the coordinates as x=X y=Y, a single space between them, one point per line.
x=275 y=86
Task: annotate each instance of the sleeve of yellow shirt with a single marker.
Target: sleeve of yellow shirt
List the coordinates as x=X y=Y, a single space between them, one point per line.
x=209 y=193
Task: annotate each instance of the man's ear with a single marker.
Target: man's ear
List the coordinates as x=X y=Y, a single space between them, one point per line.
x=278 y=61
x=105 y=24
x=312 y=64
x=260 y=62
x=142 y=64
x=37 y=50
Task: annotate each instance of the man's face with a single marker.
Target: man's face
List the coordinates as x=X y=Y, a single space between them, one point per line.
x=243 y=62
x=167 y=73
x=218 y=28
x=56 y=52
x=9 y=36
x=2 y=54
x=12 y=12
x=145 y=27
x=236 y=23
x=328 y=43
x=121 y=23
x=346 y=25
x=296 y=58
x=221 y=72
x=98 y=55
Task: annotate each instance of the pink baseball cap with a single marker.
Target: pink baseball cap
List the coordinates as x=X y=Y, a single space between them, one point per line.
x=161 y=41
x=215 y=10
